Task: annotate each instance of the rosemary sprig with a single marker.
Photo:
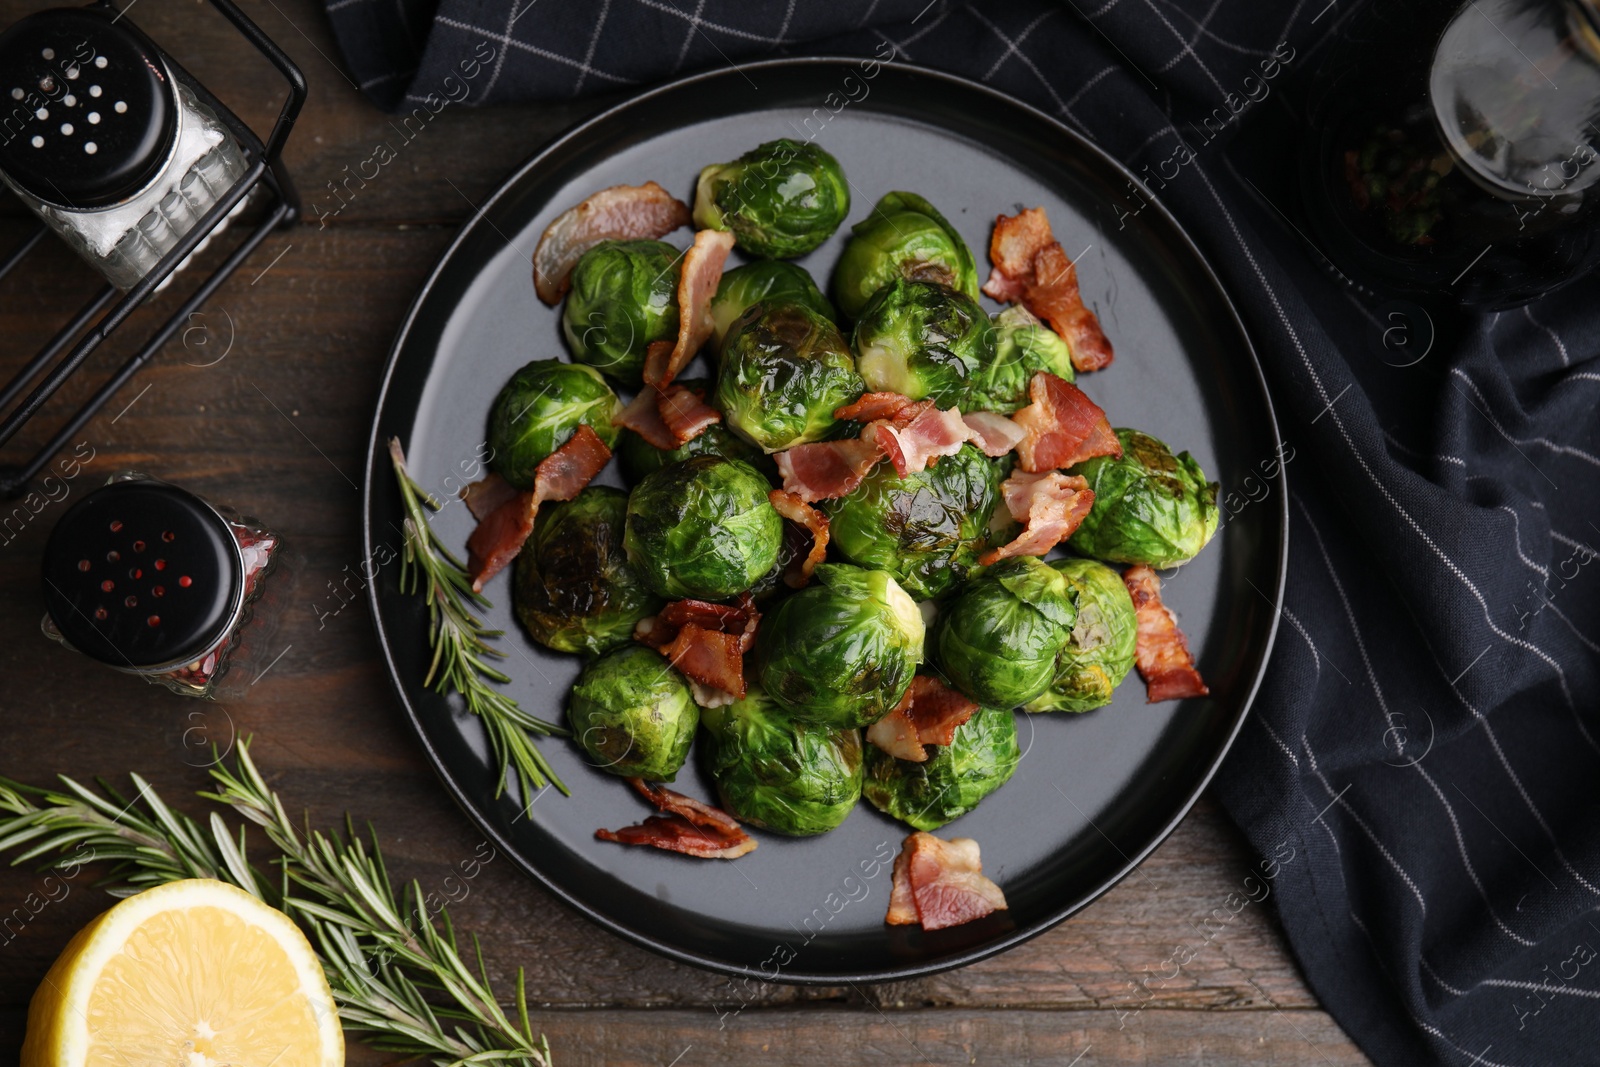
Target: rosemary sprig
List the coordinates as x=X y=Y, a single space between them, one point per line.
x=396 y=971
x=460 y=641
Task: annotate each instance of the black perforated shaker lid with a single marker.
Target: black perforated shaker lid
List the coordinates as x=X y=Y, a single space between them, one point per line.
x=87 y=110
x=142 y=575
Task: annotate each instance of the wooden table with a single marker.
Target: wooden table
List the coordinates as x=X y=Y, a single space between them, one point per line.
x=278 y=428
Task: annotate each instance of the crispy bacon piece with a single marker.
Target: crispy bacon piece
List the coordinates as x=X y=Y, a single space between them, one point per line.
x=928 y=714
x=563 y=474
x=993 y=432
x=1031 y=267
x=697 y=284
x=874 y=406
x=798 y=511
x=928 y=435
x=1062 y=426
x=486 y=494
x=498 y=537
x=940 y=884
x=902 y=907
x=1160 y=650
x=1049 y=504
x=677 y=834
x=727 y=618
x=618 y=213
x=672 y=802
x=710 y=657
x=685 y=413
x=686 y=825
x=559 y=476
x=706 y=642
x=828 y=469
x=642 y=415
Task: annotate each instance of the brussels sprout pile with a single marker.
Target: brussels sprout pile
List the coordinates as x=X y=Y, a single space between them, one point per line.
x=901 y=591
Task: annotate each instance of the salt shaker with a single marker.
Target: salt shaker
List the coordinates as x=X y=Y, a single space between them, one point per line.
x=105 y=141
x=150 y=579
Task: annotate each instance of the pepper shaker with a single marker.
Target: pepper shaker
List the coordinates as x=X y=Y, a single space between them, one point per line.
x=150 y=579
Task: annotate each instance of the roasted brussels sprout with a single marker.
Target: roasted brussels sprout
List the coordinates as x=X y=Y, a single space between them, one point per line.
x=766 y=279
x=841 y=651
x=702 y=528
x=785 y=369
x=781 y=199
x=927 y=529
x=1149 y=506
x=624 y=296
x=1023 y=347
x=904 y=237
x=539 y=408
x=573 y=587
x=922 y=339
x=1100 y=653
x=639 y=457
x=632 y=712
x=982 y=758
x=998 y=640
x=789 y=777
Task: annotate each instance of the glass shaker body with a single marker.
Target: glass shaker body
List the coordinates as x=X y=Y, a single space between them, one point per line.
x=149 y=579
x=1451 y=151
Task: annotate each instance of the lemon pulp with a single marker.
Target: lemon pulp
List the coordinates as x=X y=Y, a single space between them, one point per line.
x=190 y=974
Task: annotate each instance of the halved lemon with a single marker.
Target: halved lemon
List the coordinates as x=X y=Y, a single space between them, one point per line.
x=195 y=973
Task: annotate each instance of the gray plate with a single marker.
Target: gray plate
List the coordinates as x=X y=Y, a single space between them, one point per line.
x=1094 y=793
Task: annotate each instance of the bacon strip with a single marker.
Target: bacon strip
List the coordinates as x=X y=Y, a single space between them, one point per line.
x=993 y=432
x=902 y=907
x=929 y=435
x=621 y=212
x=1160 y=649
x=1062 y=426
x=1031 y=267
x=677 y=834
x=559 y=476
x=642 y=415
x=791 y=507
x=685 y=412
x=686 y=825
x=486 y=494
x=499 y=537
x=928 y=714
x=1049 y=504
x=825 y=470
x=672 y=802
x=943 y=883
x=697 y=284
x=706 y=642
x=874 y=406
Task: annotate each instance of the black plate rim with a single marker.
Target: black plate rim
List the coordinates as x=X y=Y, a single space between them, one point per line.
x=377 y=463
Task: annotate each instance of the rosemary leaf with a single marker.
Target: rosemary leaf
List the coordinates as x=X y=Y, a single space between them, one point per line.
x=460 y=640
x=396 y=973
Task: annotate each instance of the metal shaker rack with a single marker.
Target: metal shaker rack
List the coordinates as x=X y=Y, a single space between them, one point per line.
x=84 y=332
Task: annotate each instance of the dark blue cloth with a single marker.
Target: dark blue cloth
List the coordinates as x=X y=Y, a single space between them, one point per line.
x=1428 y=736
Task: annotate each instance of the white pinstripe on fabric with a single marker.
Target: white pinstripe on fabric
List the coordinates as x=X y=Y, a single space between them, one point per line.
x=1383 y=703
x=1559 y=449
x=1338 y=422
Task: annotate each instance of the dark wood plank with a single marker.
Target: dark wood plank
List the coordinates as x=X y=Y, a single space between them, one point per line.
x=987 y=1039
x=278 y=427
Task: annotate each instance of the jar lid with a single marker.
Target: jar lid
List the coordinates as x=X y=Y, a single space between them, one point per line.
x=89 y=111
x=1498 y=101
x=143 y=576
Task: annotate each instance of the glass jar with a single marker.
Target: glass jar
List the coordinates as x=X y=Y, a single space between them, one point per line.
x=1452 y=149
x=106 y=142
x=149 y=579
